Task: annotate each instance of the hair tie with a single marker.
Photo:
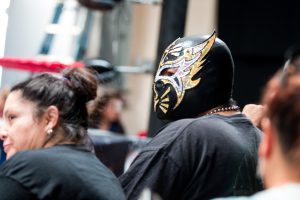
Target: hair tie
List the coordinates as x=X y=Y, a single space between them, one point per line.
x=63 y=78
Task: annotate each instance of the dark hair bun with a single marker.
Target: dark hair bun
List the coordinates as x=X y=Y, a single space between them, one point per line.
x=82 y=81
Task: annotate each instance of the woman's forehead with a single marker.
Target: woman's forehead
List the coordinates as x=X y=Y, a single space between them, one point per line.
x=15 y=99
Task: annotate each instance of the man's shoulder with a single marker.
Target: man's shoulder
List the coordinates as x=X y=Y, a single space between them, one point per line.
x=180 y=131
x=188 y=123
x=200 y=125
x=197 y=131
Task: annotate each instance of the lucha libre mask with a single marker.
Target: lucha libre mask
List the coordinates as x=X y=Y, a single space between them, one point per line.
x=195 y=74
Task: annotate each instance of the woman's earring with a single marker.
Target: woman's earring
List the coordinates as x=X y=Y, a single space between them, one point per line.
x=49 y=132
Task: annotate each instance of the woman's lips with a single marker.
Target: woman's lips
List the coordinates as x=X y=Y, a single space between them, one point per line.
x=6 y=147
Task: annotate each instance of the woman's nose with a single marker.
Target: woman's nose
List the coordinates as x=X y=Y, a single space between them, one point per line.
x=3 y=133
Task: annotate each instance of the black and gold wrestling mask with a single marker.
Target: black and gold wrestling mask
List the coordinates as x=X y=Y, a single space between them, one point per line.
x=195 y=74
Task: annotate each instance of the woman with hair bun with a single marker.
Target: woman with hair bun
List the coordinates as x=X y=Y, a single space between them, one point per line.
x=45 y=139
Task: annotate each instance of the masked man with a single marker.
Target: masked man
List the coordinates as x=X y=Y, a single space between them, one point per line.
x=209 y=149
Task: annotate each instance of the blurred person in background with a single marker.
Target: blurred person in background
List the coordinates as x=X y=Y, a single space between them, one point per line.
x=49 y=154
x=105 y=112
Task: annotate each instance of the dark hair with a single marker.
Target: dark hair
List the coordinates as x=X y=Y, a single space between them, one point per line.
x=69 y=93
x=284 y=112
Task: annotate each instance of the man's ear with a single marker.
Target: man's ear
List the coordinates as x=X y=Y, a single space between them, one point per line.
x=266 y=144
x=52 y=116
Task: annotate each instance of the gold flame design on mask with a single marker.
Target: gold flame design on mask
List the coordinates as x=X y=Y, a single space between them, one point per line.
x=188 y=64
x=164 y=105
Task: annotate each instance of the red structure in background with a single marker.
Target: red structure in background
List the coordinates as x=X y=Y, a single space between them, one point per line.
x=36 y=65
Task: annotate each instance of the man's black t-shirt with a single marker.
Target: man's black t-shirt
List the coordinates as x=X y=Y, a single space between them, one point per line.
x=211 y=156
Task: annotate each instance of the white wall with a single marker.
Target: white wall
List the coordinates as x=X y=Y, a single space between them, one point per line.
x=26 y=22
x=26 y=25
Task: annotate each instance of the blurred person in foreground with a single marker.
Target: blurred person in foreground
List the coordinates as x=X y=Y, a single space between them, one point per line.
x=209 y=148
x=279 y=151
x=45 y=139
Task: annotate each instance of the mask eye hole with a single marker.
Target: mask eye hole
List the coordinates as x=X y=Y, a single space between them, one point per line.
x=170 y=57
x=169 y=72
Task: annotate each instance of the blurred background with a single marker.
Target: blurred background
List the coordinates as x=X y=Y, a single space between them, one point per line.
x=130 y=36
